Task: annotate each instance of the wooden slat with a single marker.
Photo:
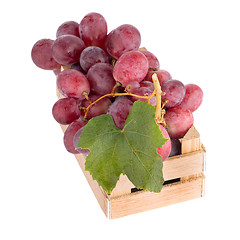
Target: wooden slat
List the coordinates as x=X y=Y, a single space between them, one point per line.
x=145 y=200
x=124 y=186
x=191 y=141
x=184 y=165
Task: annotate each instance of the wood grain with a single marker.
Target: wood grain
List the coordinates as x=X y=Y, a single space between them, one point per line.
x=145 y=200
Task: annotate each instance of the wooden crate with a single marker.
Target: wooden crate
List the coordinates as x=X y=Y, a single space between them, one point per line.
x=183 y=174
x=184 y=180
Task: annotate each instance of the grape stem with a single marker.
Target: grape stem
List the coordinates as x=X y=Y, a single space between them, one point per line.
x=159 y=109
x=157 y=91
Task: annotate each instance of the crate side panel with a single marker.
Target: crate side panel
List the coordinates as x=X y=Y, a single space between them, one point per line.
x=184 y=165
x=144 y=200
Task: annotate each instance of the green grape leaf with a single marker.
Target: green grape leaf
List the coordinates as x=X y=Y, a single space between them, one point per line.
x=131 y=151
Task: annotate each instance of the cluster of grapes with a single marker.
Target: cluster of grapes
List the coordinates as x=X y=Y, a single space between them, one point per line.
x=104 y=73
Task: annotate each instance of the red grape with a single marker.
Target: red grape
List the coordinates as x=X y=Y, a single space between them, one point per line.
x=178 y=121
x=73 y=84
x=42 y=55
x=76 y=140
x=165 y=150
x=122 y=39
x=56 y=71
x=66 y=49
x=100 y=77
x=131 y=66
x=193 y=97
x=131 y=86
x=163 y=76
x=174 y=92
x=119 y=110
x=66 y=110
x=70 y=133
x=144 y=91
x=152 y=60
x=147 y=84
x=68 y=28
x=92 y=55
x=93 y=29
x=101 y=107
x=176 y=147
x=77 y=66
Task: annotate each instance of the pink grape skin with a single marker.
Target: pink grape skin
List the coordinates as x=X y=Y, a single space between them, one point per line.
x=101 y=107
x=119 y=110
x=131 y=66
x=165 y=150
x=93 y=29
x=131 y=86
x=178 y=121
x=72 y=83
x=176 y=147
x=174 y=92
x=66 y=110
x=66 y=49
x=42 y=55
x=56 y=71
x=70 y=133
x=193 y=97
x=144 y=91
x=163 y=76
x=76 y=140
x=68 y=28
x=100 y=77
x=92 y=55
x=147 y=84
x=123 y=39
x=152 y=60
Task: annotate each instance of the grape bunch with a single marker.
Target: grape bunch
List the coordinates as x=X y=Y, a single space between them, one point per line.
x=100 y=72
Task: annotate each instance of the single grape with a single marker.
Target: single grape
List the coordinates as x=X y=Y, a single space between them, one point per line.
x=178 y=121
x=100 y=77
x=68 y=28
x=152 y=60
x=176 y=147
x=122 y=39
x=101 y=107
x=66 y=110
x=77 y=67
x=73 y=84
x=163 y=76
x=119 y=110
x=76 y=140
x=131 y=66
x=165 y=150
x=193 y=97
x=144 y=91
x=93 y=29
x=66 y=49
x=92 y=55
x=42 y=55
x=174 y=93
x=70 y=133
x=131 y=86
x=56 y=71
x=147 y=84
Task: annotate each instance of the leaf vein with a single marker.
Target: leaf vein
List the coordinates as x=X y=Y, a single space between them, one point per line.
x=140 y=160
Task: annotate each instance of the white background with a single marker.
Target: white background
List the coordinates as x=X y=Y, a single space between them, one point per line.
x=43 y=193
